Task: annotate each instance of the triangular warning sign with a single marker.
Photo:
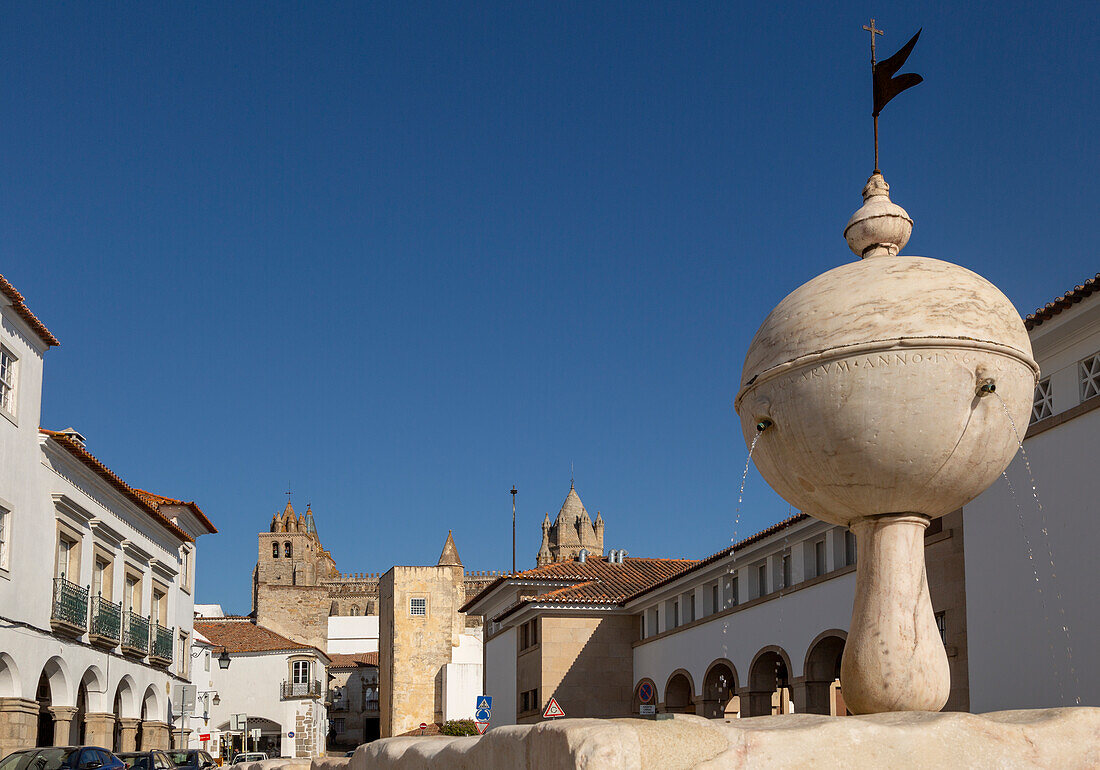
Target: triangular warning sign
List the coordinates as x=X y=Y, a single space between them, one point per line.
x=481 y=726
x=483 y=704
x=552 y=710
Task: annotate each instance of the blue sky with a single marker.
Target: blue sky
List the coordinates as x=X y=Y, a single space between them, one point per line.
x=401 y=256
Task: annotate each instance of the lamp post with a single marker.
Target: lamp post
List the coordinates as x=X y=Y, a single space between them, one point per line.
x=514 y=529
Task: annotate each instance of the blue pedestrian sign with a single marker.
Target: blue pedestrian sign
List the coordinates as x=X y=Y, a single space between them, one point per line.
x=485 y=702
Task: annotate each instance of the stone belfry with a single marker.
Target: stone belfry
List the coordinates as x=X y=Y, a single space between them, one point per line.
x=572 y=531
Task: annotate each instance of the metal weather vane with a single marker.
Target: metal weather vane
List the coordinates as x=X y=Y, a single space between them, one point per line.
x=885 y=85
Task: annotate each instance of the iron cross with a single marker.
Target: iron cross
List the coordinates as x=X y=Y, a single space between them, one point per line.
x=873 y=32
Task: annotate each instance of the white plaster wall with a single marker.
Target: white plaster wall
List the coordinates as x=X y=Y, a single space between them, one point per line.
x=461 y=688
x=792 y=622
x=1018 y=653
x=470 y=648
x=500 y=677
x=349 y=634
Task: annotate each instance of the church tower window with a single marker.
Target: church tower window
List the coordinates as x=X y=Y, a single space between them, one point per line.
x=275 y=550
x=288 y=550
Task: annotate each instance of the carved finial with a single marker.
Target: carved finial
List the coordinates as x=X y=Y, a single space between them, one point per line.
x=880 y=227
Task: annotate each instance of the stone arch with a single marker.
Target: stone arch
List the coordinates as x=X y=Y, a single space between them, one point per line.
x=9 y=677
x=126 y=698
x=680 y=693
x=720 y=690
x=354 y=609
x=56 y=673
x=821 y=669
x=274 y=549
x=769 y=673
x=288 y=550
x=150 y=706
x=636 y=701
x=96 y=689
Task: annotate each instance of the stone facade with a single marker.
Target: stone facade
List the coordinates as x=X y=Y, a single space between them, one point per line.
x=419 y=628
x=570 y=533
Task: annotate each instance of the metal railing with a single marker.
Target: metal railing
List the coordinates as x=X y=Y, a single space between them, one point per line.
x=371 y=704
x=301 y=689
x=135 y=631
x=70 y=603
x=160 y=643
x=106 y=619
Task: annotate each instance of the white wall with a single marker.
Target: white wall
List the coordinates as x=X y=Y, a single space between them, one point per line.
x=791 y=622
x=461 y=688
x=1019 y=656
x=500 y=677
x=349 y=634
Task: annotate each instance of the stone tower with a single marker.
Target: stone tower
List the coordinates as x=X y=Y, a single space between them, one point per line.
x=571 y=532
x=419 y=628
x=287 y=594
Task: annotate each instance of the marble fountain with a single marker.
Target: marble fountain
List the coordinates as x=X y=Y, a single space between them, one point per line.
x=878 y=396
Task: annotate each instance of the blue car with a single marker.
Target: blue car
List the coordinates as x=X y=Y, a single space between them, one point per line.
x=62 y=758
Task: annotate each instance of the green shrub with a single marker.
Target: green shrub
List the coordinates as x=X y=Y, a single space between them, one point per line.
x=458 y=727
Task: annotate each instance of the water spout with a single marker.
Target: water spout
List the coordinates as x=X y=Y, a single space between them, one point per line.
x=986 y=386
x=763 y=424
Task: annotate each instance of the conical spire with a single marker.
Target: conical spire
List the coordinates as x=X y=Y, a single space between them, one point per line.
x=279 y=520
x=449 y=557
x=311 y=526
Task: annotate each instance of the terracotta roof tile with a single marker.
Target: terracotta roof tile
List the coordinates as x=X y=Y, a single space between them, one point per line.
x=159 y=500
x=1074 y=295
x=354 y=659
x=237 y=635
x=25 y=313
x=79 y=452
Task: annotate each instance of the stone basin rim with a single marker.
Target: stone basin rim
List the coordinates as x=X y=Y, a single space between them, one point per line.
x=875 y=346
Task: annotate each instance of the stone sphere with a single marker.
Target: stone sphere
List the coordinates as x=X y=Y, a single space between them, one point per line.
x=869 y=378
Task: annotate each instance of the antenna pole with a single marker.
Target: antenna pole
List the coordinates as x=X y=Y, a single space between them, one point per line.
x=874 y=32
x=514 y=529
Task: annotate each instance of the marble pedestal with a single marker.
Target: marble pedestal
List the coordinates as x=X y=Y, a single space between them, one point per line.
x=1063 y=738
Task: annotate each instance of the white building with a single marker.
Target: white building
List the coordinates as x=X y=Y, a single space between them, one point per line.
x=96 y=577
x=279 y=684
x=1035 y=625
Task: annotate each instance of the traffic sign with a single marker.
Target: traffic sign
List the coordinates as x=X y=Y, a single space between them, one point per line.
x=423 y=725
x=481 y=726
x=482 y=715
x=552 y=710
x=645 y=692
x=290 y=734
x=485 y=702
x=648 y=709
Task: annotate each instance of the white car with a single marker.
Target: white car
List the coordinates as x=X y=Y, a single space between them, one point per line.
x=248 y=756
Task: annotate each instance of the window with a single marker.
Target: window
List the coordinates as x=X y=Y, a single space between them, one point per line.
x=274 y=550
x=529 y=700
x=7 y=381
x=691 y=608
x=733 y=592
x=67 y=555
x=183 y=656
x=185 y=569
x=100 y=582
x=941 y=625
x=160 y=606
x=206 y=661
x=675 y=614
x=762 y=578
x=1090 y=377
x=849 y=548
x=131 y=594
x=338 y=725
x=300 y=672
x=1043 y=405
x=288 y=550
x=529 y=634
x=354 y=609
x=819 y=558
x=714 y=598
x=5 y=523
x=786 y=570
x=418 y=605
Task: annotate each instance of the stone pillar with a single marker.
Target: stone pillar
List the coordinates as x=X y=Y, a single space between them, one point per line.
x=154 y=735
x=799 y=696
x=181 y=737
x=62 y=724
x=99 y=730
x=128 y=734
x=18 y=724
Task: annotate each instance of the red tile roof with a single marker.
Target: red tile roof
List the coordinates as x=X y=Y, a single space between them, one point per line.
x=353 y=660
x=1071 y=297
x=159 y=500
x=237 y=635
x=595 y=581
x=73 y=447
x=25 y=313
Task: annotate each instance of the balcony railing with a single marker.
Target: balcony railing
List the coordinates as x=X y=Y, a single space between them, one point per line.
x=371 y=704
x=135 y=634
x=301 y=690
x=160 y=644
x=70 y=606
x=106 y=625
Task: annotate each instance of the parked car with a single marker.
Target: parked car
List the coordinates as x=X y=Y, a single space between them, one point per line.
x=146 y=760
x=249 y=756
x=192 y=759
x=62 y=758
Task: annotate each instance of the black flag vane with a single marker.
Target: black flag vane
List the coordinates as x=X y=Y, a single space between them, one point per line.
x=886 y=85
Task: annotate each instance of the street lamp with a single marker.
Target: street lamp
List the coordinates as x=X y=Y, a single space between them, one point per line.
x=223 y=659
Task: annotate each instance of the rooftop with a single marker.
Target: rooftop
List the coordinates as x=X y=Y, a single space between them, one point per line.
x=353 y=660
x=241 y=635
x=25 y=313
x=1071 y=297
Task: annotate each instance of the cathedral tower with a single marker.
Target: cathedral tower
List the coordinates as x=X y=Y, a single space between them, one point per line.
x=571 y=532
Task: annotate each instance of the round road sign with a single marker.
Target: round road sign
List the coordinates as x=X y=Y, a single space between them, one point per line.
x=645 y=692
x=423 y=725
